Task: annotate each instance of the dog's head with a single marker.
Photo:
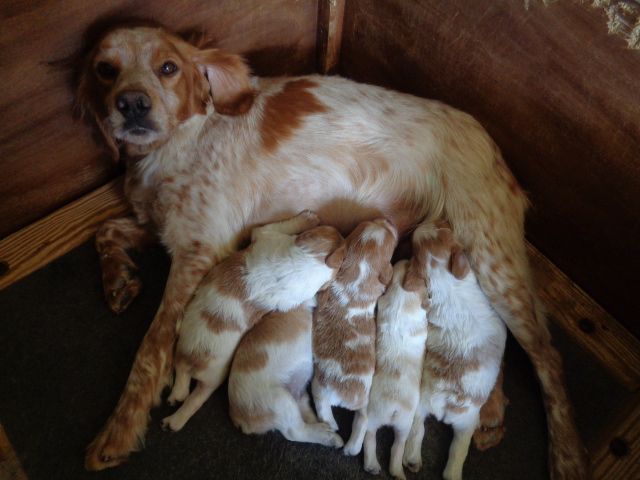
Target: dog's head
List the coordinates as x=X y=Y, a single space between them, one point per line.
x=434 y=246
x=140 y=82
x=371 y=243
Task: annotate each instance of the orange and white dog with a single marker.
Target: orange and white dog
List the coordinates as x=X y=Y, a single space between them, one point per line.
x=395 y=389
x=268 y=381
x=464 y=347
x=212 y=152
x=280 y=270
x=344 y=326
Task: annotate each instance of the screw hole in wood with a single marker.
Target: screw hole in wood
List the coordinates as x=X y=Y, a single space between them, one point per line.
x=586 y=325
x=619 y=447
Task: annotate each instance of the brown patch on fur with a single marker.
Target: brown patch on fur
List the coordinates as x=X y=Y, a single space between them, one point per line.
x=322 y=242
x=285 y=111
x=219 y=324
x=229 y=79
x=250 y=420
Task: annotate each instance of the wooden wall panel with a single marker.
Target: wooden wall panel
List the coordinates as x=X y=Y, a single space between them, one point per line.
x=557 y=93
x=47 y=159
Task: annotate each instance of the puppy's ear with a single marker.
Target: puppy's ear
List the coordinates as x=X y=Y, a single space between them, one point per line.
x=87 y=106
x=229 y=79
x=335 y=258
x=458 y=263
x=415 y=276
x=386 y=274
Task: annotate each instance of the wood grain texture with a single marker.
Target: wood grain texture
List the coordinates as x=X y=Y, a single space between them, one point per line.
x=47 y=158
x=560 y=97
x=586 y=322
x=330 y=24
x=10 y=468
x=42 y=242
x=619 y=456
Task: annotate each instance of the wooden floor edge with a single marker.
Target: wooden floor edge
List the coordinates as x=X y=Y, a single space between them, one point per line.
x=619 y=454
x=38 y=244
x=568 y=306
x=10 y=467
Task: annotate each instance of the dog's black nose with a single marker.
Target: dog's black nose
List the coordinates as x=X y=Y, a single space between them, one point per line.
x=133 y=105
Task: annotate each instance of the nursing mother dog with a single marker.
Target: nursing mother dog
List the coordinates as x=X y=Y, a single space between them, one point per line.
x=212 y=151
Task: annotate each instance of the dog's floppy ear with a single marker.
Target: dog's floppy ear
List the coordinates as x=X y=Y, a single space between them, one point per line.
x=87 y=106
x=458 y=263
x=335 y=258
x=415 y=276
x=386 y=274
x=229 y=79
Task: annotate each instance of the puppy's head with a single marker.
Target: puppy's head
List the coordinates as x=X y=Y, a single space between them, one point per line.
x=325 y=243
x=434 y=246
x=140 y=82
x=371 y=242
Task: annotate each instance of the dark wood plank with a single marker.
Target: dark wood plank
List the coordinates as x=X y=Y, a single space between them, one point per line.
x=619 y=456
x=330 y=24
x=559 y=95
x=47 y=158
x=42 y=242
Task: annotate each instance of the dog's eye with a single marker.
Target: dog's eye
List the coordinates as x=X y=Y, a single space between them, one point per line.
x=168 y=68
x=106 y=70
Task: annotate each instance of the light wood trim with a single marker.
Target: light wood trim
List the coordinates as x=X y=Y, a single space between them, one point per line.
x=10 y=467
x=586 y=321
x=608 y=465
x=330 y=22
x=36 y=245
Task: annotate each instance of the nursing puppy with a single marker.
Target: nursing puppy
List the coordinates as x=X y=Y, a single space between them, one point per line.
x=464 y=347
x=278 y=271
x=395 y=389
x=344 y=323
x=269 y=376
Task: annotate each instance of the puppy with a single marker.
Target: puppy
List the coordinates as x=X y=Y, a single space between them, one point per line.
x=344 y=322
x=278 y=271
x=269 y=376
x=395 y=389
x=464 y=348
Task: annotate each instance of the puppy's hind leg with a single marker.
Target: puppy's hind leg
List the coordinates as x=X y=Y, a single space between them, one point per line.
x=191 y=405
x=323 y=404
x=462 y=434
x=354 y=445
x=180 y=389
x=289 y=421
x=397 y=452
x=412 y=456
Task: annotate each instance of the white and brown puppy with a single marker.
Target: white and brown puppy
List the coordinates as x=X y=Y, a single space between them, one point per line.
x=395 y=389
x=269 y=376
x=344 y=323
x=279 y=271
x=464 y=349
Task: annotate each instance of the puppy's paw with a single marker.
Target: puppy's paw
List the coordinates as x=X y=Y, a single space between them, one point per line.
x=414 y=465
x=170 y=424
x=373 y=468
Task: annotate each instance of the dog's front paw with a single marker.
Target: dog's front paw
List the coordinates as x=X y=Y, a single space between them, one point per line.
x=171 y=424
x=119 y=282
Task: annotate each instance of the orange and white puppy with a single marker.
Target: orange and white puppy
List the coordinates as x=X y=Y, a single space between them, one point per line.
x=344 y=323
x=395 y=390
x=280 y=270
x=464 y=347
x=271 y=370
